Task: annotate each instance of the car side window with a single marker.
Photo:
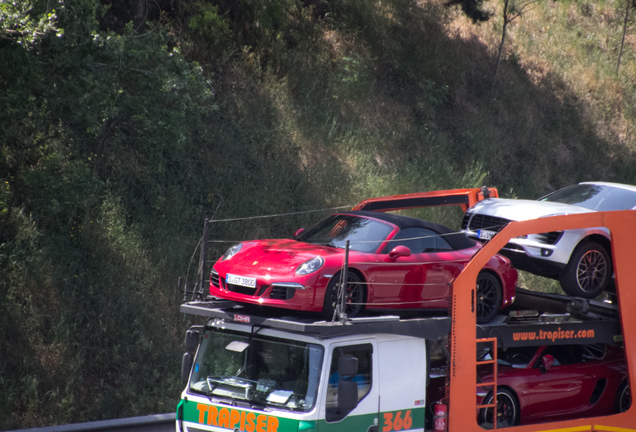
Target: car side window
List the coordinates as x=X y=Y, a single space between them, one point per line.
x=591 y=352
x=574 y=354
x=562 y=354
x=516 y=357
x=363 y=378
x=418 y=240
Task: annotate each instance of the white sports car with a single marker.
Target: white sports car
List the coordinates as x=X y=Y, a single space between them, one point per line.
x=580 y=259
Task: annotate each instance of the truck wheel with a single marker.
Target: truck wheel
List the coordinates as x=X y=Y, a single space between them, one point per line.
x=356 y=294
x=507 y=410
x=623 y=398
x=489 y=297
x=588 y=272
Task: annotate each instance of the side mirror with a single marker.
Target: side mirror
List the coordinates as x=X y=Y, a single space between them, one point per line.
x=191 y=340
x=298 y=232
x=186 y=366
x=347 y=365
x=399 y=251
x=547 y=361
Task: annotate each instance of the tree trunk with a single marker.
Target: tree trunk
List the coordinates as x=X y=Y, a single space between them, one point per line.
x=501 y=44
x=620 y=53
x=139 y=18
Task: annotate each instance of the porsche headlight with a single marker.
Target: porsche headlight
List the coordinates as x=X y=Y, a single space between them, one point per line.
x=232 y=251
x=311 y=266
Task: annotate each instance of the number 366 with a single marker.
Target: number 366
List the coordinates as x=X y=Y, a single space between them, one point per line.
x=398 y=422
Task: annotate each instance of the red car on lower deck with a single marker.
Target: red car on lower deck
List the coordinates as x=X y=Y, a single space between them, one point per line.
x=538 y=384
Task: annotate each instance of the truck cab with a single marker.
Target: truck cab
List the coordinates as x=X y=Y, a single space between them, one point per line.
x=372 y=373
x=283 y=375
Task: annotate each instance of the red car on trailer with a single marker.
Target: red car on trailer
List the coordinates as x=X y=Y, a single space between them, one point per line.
x=395 y=262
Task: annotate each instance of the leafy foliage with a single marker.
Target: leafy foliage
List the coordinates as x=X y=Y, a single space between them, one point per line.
x=125 y=124
x=26 y=22
x=94 y=125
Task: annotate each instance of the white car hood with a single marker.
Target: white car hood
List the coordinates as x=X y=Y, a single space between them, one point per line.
x=521 y=210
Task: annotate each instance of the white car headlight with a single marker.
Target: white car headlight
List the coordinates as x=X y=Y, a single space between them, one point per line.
x=310 y=266
x=232 y=251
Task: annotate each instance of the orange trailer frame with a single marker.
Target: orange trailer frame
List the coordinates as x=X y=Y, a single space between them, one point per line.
x=462 y=370
x=464 y=198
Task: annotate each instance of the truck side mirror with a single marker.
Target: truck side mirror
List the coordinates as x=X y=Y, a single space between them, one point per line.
x=191 y=340
x=547 y=361
x=186 y=366
x=347 y=365
x=399 y=251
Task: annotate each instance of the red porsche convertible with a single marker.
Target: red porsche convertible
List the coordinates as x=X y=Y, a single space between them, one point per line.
x=395 y=262
x=540 y=384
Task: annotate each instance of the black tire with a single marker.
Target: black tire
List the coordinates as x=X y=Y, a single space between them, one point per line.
x=489 y=297
x=623 y=398
x=356 y=293
x=589 y=271
x=507 y=410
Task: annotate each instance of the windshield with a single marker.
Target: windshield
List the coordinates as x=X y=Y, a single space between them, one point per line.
x=364 y=234
x=261 y=371
x=594 y=197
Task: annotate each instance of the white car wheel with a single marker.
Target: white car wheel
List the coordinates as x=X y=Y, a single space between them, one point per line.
x=588 y=272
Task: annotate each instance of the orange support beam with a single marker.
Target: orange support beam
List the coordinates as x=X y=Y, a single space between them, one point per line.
x=622 y=225
x=464 y=198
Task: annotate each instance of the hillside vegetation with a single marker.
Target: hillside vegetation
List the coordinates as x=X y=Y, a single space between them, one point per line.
x=124 y=124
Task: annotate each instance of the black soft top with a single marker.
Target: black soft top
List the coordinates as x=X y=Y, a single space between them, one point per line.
x=455 y=239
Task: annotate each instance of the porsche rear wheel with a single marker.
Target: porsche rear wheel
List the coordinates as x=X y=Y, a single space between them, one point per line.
x=489 y=297
x=355 y=296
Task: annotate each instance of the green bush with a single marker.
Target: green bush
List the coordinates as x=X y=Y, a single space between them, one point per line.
x=117 y=143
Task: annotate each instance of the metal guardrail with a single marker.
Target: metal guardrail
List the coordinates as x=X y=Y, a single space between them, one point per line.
x=151 y=423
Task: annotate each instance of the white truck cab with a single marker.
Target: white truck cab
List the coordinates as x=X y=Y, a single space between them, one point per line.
x=283 y=376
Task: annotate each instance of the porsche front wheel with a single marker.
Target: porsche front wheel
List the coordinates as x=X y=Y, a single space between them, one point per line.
x=355 y=296
x=507 y=410
x=623 y=398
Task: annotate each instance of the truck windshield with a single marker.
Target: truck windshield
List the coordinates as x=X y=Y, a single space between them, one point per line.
x=259 y=370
